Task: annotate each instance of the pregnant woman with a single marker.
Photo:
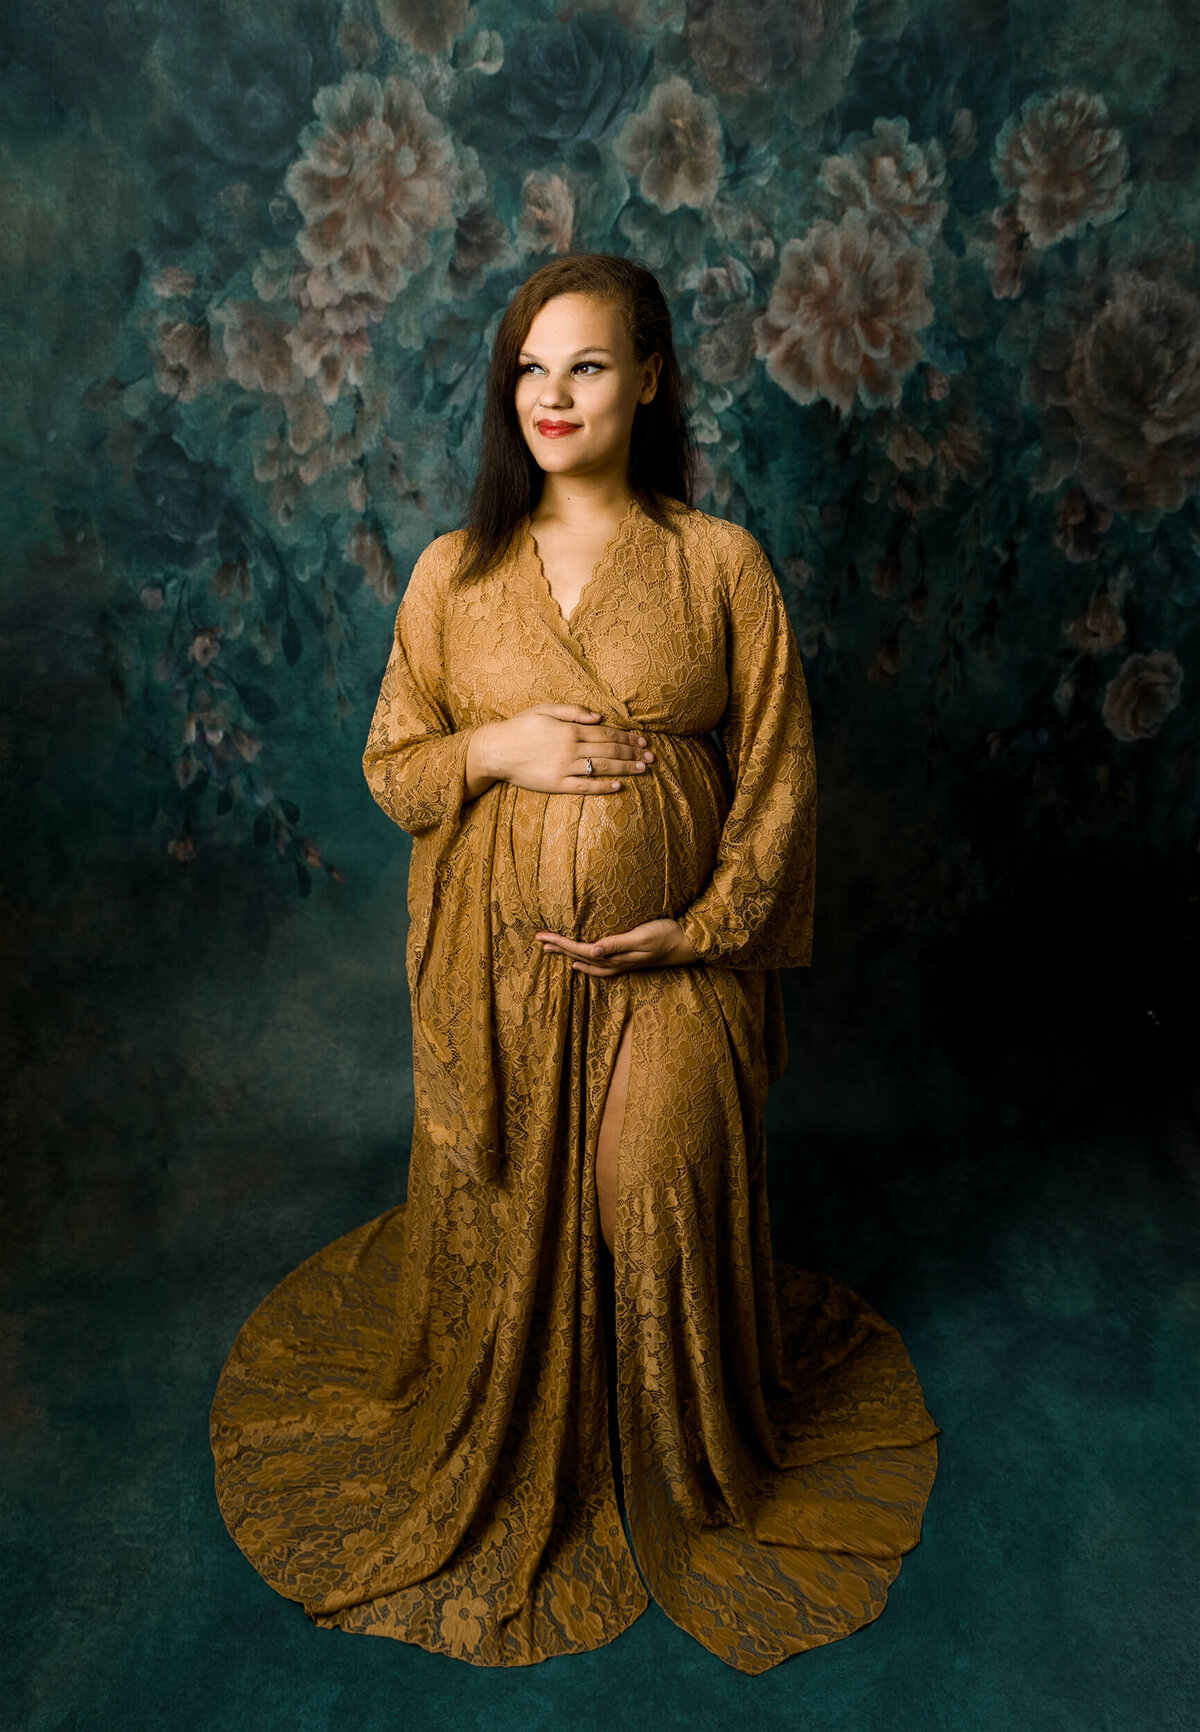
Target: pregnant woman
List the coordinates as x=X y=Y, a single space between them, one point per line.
x=422 y=1432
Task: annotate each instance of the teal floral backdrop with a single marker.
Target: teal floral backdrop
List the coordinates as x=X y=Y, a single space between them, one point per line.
x=933 y=270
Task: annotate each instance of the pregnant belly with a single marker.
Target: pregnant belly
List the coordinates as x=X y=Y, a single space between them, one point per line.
x=588 y=865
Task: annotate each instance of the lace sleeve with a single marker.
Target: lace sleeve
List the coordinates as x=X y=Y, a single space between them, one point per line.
x=756 y=911
x=415 y=759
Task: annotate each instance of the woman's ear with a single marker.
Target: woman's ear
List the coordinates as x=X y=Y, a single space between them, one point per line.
x=653 y=367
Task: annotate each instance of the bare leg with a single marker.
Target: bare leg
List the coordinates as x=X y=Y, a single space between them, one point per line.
x=611 y=1119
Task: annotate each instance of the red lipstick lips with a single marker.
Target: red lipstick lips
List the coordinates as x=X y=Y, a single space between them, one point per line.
x=556 y=429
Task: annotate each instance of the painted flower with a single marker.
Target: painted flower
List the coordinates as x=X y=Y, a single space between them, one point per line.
x=1139 y=698
x=907 y=447
x=842 y=314
x=674 y=146
x=481 y=241
x=330 y=345
x=172 y=281
x=726 y=351
x=567 y=82
x=357 y=42
x=742 y=227
x=1122 y=397
x=720 y=289
x=1099 y=628
x=307 y=422
x=376 y=181
x=232 y=581
x=256 y=344
x=1081 y=523
x=724 y=308
x=1063 y=165
x=899 y=185
x=366 y=547
x=743 y=47
x=185 y=361
x=547 y=219
x=429 y=26
x=962 y=133
x=1010 y=257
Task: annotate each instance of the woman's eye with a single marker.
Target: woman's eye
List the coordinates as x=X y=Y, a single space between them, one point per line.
x=599 y=365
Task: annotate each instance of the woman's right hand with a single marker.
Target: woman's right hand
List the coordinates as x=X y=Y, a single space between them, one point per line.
x=546 y=747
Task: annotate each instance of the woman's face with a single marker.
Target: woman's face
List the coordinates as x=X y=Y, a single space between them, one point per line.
x=576 y=367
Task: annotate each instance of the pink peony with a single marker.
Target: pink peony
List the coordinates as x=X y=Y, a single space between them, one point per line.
x=1064 y=165
x=1139 y=698
x=842 y=313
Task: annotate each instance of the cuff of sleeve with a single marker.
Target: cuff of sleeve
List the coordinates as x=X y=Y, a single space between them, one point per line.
x=462 y=738
x=699 y=935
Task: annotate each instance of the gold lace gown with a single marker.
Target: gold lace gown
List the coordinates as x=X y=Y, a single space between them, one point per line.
x=411 y=1431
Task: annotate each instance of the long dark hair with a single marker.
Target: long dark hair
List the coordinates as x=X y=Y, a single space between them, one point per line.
x=662 y=450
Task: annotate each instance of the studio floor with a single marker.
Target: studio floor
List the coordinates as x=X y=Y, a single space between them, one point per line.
x=1021 y=1206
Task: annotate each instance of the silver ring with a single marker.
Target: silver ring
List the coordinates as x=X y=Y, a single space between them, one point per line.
x=589 y=766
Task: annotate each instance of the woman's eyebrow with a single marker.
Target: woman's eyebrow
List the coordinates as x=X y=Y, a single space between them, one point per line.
x=592 y=349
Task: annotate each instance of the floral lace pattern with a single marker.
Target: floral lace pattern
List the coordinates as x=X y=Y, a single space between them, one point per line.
x=411 y=1431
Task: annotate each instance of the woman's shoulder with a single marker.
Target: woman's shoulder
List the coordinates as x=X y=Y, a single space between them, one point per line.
x=443 y=551
x=434 y=566
x=727 y=544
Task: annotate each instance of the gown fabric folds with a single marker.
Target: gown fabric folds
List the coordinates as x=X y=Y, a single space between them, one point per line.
x=411 y=1432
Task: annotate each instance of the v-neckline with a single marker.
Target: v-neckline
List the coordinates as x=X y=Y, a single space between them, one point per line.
x=567 y=621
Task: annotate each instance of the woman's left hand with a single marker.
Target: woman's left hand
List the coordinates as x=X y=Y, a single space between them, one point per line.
x=654 y=944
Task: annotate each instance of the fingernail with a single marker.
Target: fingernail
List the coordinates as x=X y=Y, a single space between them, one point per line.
x=641 y=740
